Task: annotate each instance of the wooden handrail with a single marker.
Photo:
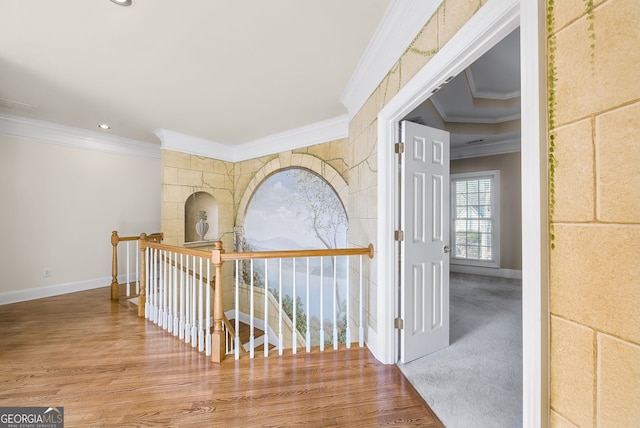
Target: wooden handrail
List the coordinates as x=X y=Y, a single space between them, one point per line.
x=179 y=250
x=218 y=256
x=285 y=254
x=115 y=239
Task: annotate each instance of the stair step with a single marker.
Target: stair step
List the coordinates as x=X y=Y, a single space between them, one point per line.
x=245 y=335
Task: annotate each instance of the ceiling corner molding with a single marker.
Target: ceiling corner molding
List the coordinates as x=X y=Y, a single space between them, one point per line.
x=400 y=24
x=494 y=148
x=171 y=140
x=486 y=94
x=305 y=136
x=52 y=133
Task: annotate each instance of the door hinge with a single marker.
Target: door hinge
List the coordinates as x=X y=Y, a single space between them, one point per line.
x=399 y=148
x=398 y=323
x=398 y=235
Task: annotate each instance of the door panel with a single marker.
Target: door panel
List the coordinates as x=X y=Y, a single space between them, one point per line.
x=424 y=218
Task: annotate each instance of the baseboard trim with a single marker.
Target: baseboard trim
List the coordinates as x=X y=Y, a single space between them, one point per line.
x=17 y=296
x=476 y=270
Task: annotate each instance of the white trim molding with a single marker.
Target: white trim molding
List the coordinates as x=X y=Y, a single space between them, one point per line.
x=486 y=149
x=305 y=136
x=52 y=133
x=16 y=296
x=401 y=23
x=494 y=21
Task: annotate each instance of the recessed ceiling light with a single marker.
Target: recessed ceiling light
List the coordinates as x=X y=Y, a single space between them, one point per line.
x=122 y=2
x=104 y=126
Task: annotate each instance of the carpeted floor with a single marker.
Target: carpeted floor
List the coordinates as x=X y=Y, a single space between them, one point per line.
x=477 y=380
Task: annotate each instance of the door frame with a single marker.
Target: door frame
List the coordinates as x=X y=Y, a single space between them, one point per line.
x=487 y=27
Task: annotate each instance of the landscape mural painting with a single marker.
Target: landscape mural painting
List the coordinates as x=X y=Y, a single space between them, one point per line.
x=297 y=209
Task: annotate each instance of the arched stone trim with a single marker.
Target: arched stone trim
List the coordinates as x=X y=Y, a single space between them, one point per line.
x=299 y=160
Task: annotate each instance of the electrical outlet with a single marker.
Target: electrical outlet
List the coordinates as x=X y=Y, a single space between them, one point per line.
x=46 y=272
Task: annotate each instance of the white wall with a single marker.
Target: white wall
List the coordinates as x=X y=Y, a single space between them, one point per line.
x=59 y=205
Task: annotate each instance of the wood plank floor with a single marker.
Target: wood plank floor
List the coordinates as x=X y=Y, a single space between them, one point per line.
x=109 y=368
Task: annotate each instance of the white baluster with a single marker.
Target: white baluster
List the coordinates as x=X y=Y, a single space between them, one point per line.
x=266 y=309
x=169 y=291
x=335 y=300
x=181 y=321
x=294 y=338
x=128 y=286
x=194 y=301
x=187 y=317
x=237 y=320
x=147 y=285
x=360 y=325
x=280 y=338
x=207 y=331
x=157 y=316
x=321 y=304
x=251 y=313
x=348 y=330
x=155 y=286
x=164 y=285
x=200 y=311
x=308 y=335
x=176 y=286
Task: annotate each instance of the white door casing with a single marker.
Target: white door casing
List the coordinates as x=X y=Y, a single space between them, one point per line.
x=424 y=258
x=495 y=20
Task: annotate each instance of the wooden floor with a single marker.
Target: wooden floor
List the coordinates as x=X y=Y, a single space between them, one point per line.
x=107 y=367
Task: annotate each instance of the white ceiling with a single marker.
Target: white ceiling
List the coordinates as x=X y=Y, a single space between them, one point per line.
x=231 y=73
x=480 y=107
x=220 y=70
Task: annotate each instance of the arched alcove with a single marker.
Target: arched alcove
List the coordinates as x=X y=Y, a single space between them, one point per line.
x=196 y=203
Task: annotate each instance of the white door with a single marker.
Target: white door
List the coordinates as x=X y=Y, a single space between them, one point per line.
x=424 y=258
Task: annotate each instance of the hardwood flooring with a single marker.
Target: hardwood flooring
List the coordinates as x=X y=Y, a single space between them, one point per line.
x=108 y=368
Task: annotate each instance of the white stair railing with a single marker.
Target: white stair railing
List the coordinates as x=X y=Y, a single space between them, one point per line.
x=178 y=294
x=126 y=252
x=283 y=293
x=292 y=328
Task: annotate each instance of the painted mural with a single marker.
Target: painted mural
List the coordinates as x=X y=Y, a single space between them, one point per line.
x=297 y=209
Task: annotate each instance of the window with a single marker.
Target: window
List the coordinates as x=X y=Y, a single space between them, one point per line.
x=475 y=218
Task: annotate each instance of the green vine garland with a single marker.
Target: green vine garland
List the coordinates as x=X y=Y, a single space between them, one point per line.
x=551 y=88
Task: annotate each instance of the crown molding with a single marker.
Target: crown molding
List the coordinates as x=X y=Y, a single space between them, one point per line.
x=305 y=136
x=52 y=133
x=320 y=132
x=471 y=119
x=486 y=149
x=488 y=94
x=400 y=24
x=178 y=142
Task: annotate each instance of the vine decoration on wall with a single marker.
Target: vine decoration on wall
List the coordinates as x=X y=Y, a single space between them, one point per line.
x=591 y=17
x=551 y=89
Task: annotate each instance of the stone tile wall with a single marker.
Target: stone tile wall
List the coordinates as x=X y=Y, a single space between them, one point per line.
x=595 y=273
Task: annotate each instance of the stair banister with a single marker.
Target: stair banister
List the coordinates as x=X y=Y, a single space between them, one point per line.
x=218 y=335
x=114 y=265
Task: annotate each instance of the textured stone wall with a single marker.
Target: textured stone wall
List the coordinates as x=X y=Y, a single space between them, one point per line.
x=595 y=201
x=184 y=174
x=363 y=133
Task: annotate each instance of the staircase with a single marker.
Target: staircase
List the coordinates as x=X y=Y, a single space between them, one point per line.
x=245 y=336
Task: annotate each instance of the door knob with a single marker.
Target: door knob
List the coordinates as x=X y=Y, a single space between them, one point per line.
x=447 y=249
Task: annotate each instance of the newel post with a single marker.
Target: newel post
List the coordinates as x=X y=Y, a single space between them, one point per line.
x=218 y=335
x=114 y=265
x=142 y=276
